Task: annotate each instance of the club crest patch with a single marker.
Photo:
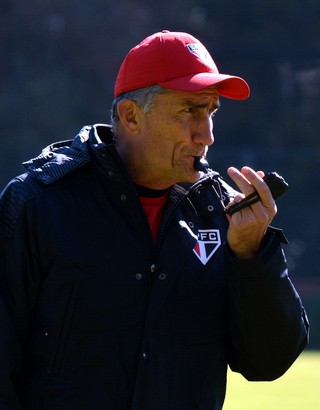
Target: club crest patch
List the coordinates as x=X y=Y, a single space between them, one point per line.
x=208 y=242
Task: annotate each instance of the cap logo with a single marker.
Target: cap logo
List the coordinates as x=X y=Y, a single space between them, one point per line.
x=198 y=50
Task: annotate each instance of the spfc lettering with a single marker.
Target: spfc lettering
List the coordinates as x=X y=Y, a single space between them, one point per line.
x=208 y=242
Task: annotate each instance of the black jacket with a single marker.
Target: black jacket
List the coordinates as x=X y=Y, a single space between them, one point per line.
x=94 y=316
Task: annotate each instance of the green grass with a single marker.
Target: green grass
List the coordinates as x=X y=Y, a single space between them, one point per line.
x=298 y=389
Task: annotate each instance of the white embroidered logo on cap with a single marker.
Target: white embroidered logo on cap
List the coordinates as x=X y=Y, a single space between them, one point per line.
x=198 y=50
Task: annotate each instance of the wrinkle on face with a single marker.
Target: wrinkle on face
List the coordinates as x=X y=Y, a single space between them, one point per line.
x=176 y=129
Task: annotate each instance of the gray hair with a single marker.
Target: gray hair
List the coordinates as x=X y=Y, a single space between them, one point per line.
x=142 y=96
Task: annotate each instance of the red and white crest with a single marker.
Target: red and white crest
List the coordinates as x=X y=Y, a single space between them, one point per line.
x=208 y=242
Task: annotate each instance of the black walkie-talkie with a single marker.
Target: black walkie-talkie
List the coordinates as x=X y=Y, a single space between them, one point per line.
x=277 y=185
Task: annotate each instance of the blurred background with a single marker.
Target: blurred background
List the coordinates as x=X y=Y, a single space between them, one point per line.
x=59 y=59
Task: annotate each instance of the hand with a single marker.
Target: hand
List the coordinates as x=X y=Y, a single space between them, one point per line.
x=248 y=226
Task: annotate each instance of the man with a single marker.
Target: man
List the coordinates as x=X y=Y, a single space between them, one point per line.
x=125 y=284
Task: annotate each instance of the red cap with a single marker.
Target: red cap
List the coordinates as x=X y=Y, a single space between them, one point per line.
x=177 y=61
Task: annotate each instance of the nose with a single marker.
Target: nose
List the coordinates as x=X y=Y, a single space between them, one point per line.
x=203 y=130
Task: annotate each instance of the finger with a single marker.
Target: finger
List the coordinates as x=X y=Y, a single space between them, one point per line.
x=249 y=182
x=241 y=180
x=237 y=198
x=256 y=180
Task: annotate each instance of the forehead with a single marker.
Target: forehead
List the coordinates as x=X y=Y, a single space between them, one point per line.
x=209 y=95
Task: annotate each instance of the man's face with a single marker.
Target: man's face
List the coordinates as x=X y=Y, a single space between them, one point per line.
x=178 y=128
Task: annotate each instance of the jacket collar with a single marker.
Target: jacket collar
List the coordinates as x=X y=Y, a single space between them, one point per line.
x=61 y=158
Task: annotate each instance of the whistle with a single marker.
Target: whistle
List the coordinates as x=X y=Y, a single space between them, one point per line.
x=201 y=164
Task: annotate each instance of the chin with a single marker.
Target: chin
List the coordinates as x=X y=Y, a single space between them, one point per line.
x=187 y=173
x=192 y=176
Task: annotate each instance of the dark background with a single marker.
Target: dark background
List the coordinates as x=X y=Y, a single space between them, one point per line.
x=59 y=59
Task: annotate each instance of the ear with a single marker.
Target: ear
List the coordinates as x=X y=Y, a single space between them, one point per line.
x=130 y=115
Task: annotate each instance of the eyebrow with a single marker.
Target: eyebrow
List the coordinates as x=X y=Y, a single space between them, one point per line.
x=200 y=105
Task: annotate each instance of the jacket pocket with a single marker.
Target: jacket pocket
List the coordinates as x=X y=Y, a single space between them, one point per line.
x=63 y=333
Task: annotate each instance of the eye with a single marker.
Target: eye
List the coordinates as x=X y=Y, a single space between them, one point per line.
x=189 y=110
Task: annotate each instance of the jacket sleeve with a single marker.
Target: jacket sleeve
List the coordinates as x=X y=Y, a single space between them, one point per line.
x=268 y=325
x=17 y=293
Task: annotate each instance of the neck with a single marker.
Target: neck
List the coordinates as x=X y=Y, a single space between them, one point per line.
x=149 y=192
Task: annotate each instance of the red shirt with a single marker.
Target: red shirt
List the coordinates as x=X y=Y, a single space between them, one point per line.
x=153 y=207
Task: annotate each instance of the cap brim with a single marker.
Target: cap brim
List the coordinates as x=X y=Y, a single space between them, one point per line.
x=228 y=86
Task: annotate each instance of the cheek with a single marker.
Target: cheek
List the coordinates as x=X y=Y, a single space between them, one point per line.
x=157 y=148
x=165 y=137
